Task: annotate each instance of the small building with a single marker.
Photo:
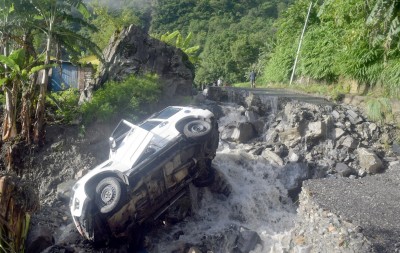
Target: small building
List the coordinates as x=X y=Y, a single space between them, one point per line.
x=68 y=75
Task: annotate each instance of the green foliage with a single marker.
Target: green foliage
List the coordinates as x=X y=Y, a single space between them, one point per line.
x=109 y=21
x=344 y=38
x=19 y=68
x=379 y=109
x=124 y=99
x=231 y=34
x=65 y=104
x=390 y=77
x=175 y=39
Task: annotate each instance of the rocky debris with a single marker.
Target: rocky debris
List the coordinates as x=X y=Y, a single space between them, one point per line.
x=360 y=215
x=132 y=51
x=330 y=139
x=64 y=190
x=39 y=239
x=318 y=229
x=292 y=175
x=343 y=170
x=234 y=239
x=272 y=157
x=369 y=161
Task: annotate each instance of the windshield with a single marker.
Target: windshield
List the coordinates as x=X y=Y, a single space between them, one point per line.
x=120 y=132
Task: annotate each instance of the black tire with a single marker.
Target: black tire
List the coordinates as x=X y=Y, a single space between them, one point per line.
x=206 y=179
x=108 y=194
x=197 y=130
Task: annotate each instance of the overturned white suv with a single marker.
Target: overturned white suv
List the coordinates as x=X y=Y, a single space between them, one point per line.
x=149 y=168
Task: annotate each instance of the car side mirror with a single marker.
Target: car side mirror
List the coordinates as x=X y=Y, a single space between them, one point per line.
x=112 y=143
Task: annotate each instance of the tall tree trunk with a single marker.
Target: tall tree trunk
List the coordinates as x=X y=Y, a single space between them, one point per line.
x=9 y=123
x=40 y=108
x=16 y=201
x=26 y=110
x=9 y=126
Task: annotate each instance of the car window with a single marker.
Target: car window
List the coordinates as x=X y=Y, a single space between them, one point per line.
x=120 y=132
x=166 y=113
x=148 y=125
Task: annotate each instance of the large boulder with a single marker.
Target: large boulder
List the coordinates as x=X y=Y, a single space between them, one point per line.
x=132 y=51
x=369 y=161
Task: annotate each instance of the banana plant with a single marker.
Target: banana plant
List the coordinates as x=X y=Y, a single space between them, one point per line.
x=16 y=70
x=175 y=39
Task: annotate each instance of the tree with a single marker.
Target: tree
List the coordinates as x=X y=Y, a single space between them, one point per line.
x=175 y=39
x=108 y=21
x=17 y=80
x=54 y=16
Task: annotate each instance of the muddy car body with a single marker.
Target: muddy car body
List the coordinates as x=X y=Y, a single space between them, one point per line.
x=149 y=168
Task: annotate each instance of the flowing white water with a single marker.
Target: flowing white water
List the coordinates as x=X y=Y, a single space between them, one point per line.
x=258 y=201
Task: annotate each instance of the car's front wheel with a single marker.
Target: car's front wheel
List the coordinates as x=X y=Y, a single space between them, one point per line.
x=109 y=194
x=197 y=130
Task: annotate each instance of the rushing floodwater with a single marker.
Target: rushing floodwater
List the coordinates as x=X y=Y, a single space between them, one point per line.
x=258 y=201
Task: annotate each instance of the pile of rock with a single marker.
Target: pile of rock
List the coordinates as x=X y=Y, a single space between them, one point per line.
x=311 y=140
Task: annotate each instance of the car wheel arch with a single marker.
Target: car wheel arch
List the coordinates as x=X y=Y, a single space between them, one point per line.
x=92 y=183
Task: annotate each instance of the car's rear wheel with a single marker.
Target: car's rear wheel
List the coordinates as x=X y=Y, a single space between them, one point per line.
x=109 y=193
x=197 y=130
x=205 y=179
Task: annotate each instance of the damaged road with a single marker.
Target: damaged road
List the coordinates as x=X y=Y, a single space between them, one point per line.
x=268 y=146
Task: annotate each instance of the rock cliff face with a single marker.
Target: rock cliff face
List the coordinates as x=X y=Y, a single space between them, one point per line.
x=132 y=51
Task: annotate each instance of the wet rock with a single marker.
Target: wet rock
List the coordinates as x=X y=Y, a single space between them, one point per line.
x=199 y=98
x=227 y=131
x=64 y=190
x=259 y=126
x=292 y=175
x=272 y=157
x=39 y=239
x=247 y=240
x=253 y=101
x=343 y=170
x=290 y=137
x=369 y=161
x=59 y=249
x=194 y=250
x=293 y=156
x=243 y=132
x=251 y=116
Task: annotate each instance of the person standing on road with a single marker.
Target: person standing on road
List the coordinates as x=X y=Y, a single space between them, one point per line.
x=219 y=82
x=253 y=79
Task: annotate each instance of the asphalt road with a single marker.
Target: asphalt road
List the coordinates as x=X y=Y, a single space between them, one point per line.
x=281 y=93
x=372 y=202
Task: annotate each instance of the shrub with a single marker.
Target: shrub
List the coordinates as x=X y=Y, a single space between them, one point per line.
x=379 y=109
x=126 y=99
x=65 y=104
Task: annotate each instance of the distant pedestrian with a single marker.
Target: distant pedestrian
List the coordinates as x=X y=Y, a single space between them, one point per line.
x=219 y=82
x=253 y=79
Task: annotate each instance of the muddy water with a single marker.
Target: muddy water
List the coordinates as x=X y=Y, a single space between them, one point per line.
x=258 y=202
